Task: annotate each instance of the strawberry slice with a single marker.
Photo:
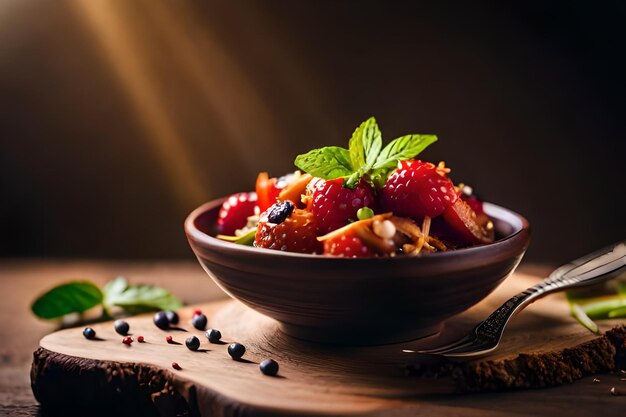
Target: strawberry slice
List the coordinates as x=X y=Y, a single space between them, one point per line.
x=463 y=225
x=235 y=211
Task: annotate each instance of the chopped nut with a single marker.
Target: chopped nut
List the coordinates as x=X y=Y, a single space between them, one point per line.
x=384 y=229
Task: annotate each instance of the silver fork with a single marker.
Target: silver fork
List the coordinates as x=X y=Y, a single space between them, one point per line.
x=591 y=269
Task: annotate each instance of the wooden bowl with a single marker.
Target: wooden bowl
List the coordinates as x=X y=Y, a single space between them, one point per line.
x=358 y=301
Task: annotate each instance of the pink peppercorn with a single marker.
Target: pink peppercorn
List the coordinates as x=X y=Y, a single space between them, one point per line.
x=140 y=339
x=176 y=366
x=127 y=340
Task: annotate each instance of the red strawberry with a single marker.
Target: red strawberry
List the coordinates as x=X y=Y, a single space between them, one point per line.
x=333 y=204
x=348 y=246
x=418 y=189
x=284 y=227
x=235 y=212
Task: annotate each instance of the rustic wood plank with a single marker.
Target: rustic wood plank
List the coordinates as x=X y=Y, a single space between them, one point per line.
x=314 y=379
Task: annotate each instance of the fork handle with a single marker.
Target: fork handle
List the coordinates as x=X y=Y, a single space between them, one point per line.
x=594 y=268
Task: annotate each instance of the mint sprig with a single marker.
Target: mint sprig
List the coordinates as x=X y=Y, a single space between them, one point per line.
x=80 y=296
x=365 y=157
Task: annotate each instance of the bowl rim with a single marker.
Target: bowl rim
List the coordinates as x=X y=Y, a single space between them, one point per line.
x=193 y=233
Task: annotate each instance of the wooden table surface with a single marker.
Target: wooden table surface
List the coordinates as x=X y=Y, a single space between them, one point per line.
x=22 y=280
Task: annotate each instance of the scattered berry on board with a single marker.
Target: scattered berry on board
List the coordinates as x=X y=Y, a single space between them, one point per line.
x=176 y=366
x=140 y=339
x=199 y=321
x=236 y=350
x=269 y=367
x=89 y=333
x=192 y=343
x=121 y=327
x=172 y=317
x=369 y=200
x=127 y=340
x=213 y=335
x=169 y=339
x=161 y=321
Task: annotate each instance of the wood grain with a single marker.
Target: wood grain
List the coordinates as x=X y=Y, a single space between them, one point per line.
x=313 y=378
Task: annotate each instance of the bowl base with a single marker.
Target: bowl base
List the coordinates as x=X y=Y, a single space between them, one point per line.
x=358 y=337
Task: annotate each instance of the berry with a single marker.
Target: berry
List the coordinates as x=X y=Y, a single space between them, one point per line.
x=213 y=335
x=296 y=233
x=199 y=321
x=176 y=366
x=127 y=340
x=236 y=350
x=172 y=317
x=269 y=367
x=347 y=245
x=89 y=333
x=333 y=204
x=280 y=211
x=197 y=312
x=169 y=339
x=140 y=339
x=121 y=327
x=418 y=189
x=161 y=321
x=235 y=212
x=192 y=343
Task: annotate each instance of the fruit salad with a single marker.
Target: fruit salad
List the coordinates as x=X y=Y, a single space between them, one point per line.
x=368 y=200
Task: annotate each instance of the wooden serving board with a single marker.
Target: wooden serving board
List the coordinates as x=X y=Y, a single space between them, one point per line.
x=542 y=347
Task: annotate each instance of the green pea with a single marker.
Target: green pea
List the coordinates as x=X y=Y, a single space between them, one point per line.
x=365 y=213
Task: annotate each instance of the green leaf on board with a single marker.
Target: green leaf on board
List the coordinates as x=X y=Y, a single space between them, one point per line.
x=67 y=298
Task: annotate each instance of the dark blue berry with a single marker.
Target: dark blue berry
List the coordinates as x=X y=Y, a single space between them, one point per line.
x=199 y=321
x=236 y=350
x=121 y=327
x=89 y=333
x=280 y=211
x=161 y=321
x=269 y=367
x=172 y=317
x=192 y=343
x=213 y=335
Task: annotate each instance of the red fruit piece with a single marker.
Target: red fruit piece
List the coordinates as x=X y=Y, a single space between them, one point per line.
x=267 y=190
x=347 y=245
x=235 y=212
x=333 y=204
x=418 y=189
x=465 y=226
x=295 y=233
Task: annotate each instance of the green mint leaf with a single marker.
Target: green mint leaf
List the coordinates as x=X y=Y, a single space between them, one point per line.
x=401 y=149
x=328 y=163
x=71 y=297
x=365 y=145
x=138 y=298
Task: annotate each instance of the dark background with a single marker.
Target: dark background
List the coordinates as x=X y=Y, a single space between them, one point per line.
x=117 y=118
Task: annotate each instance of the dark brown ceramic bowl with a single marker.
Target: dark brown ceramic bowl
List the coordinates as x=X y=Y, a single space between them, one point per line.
x=358 y=301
